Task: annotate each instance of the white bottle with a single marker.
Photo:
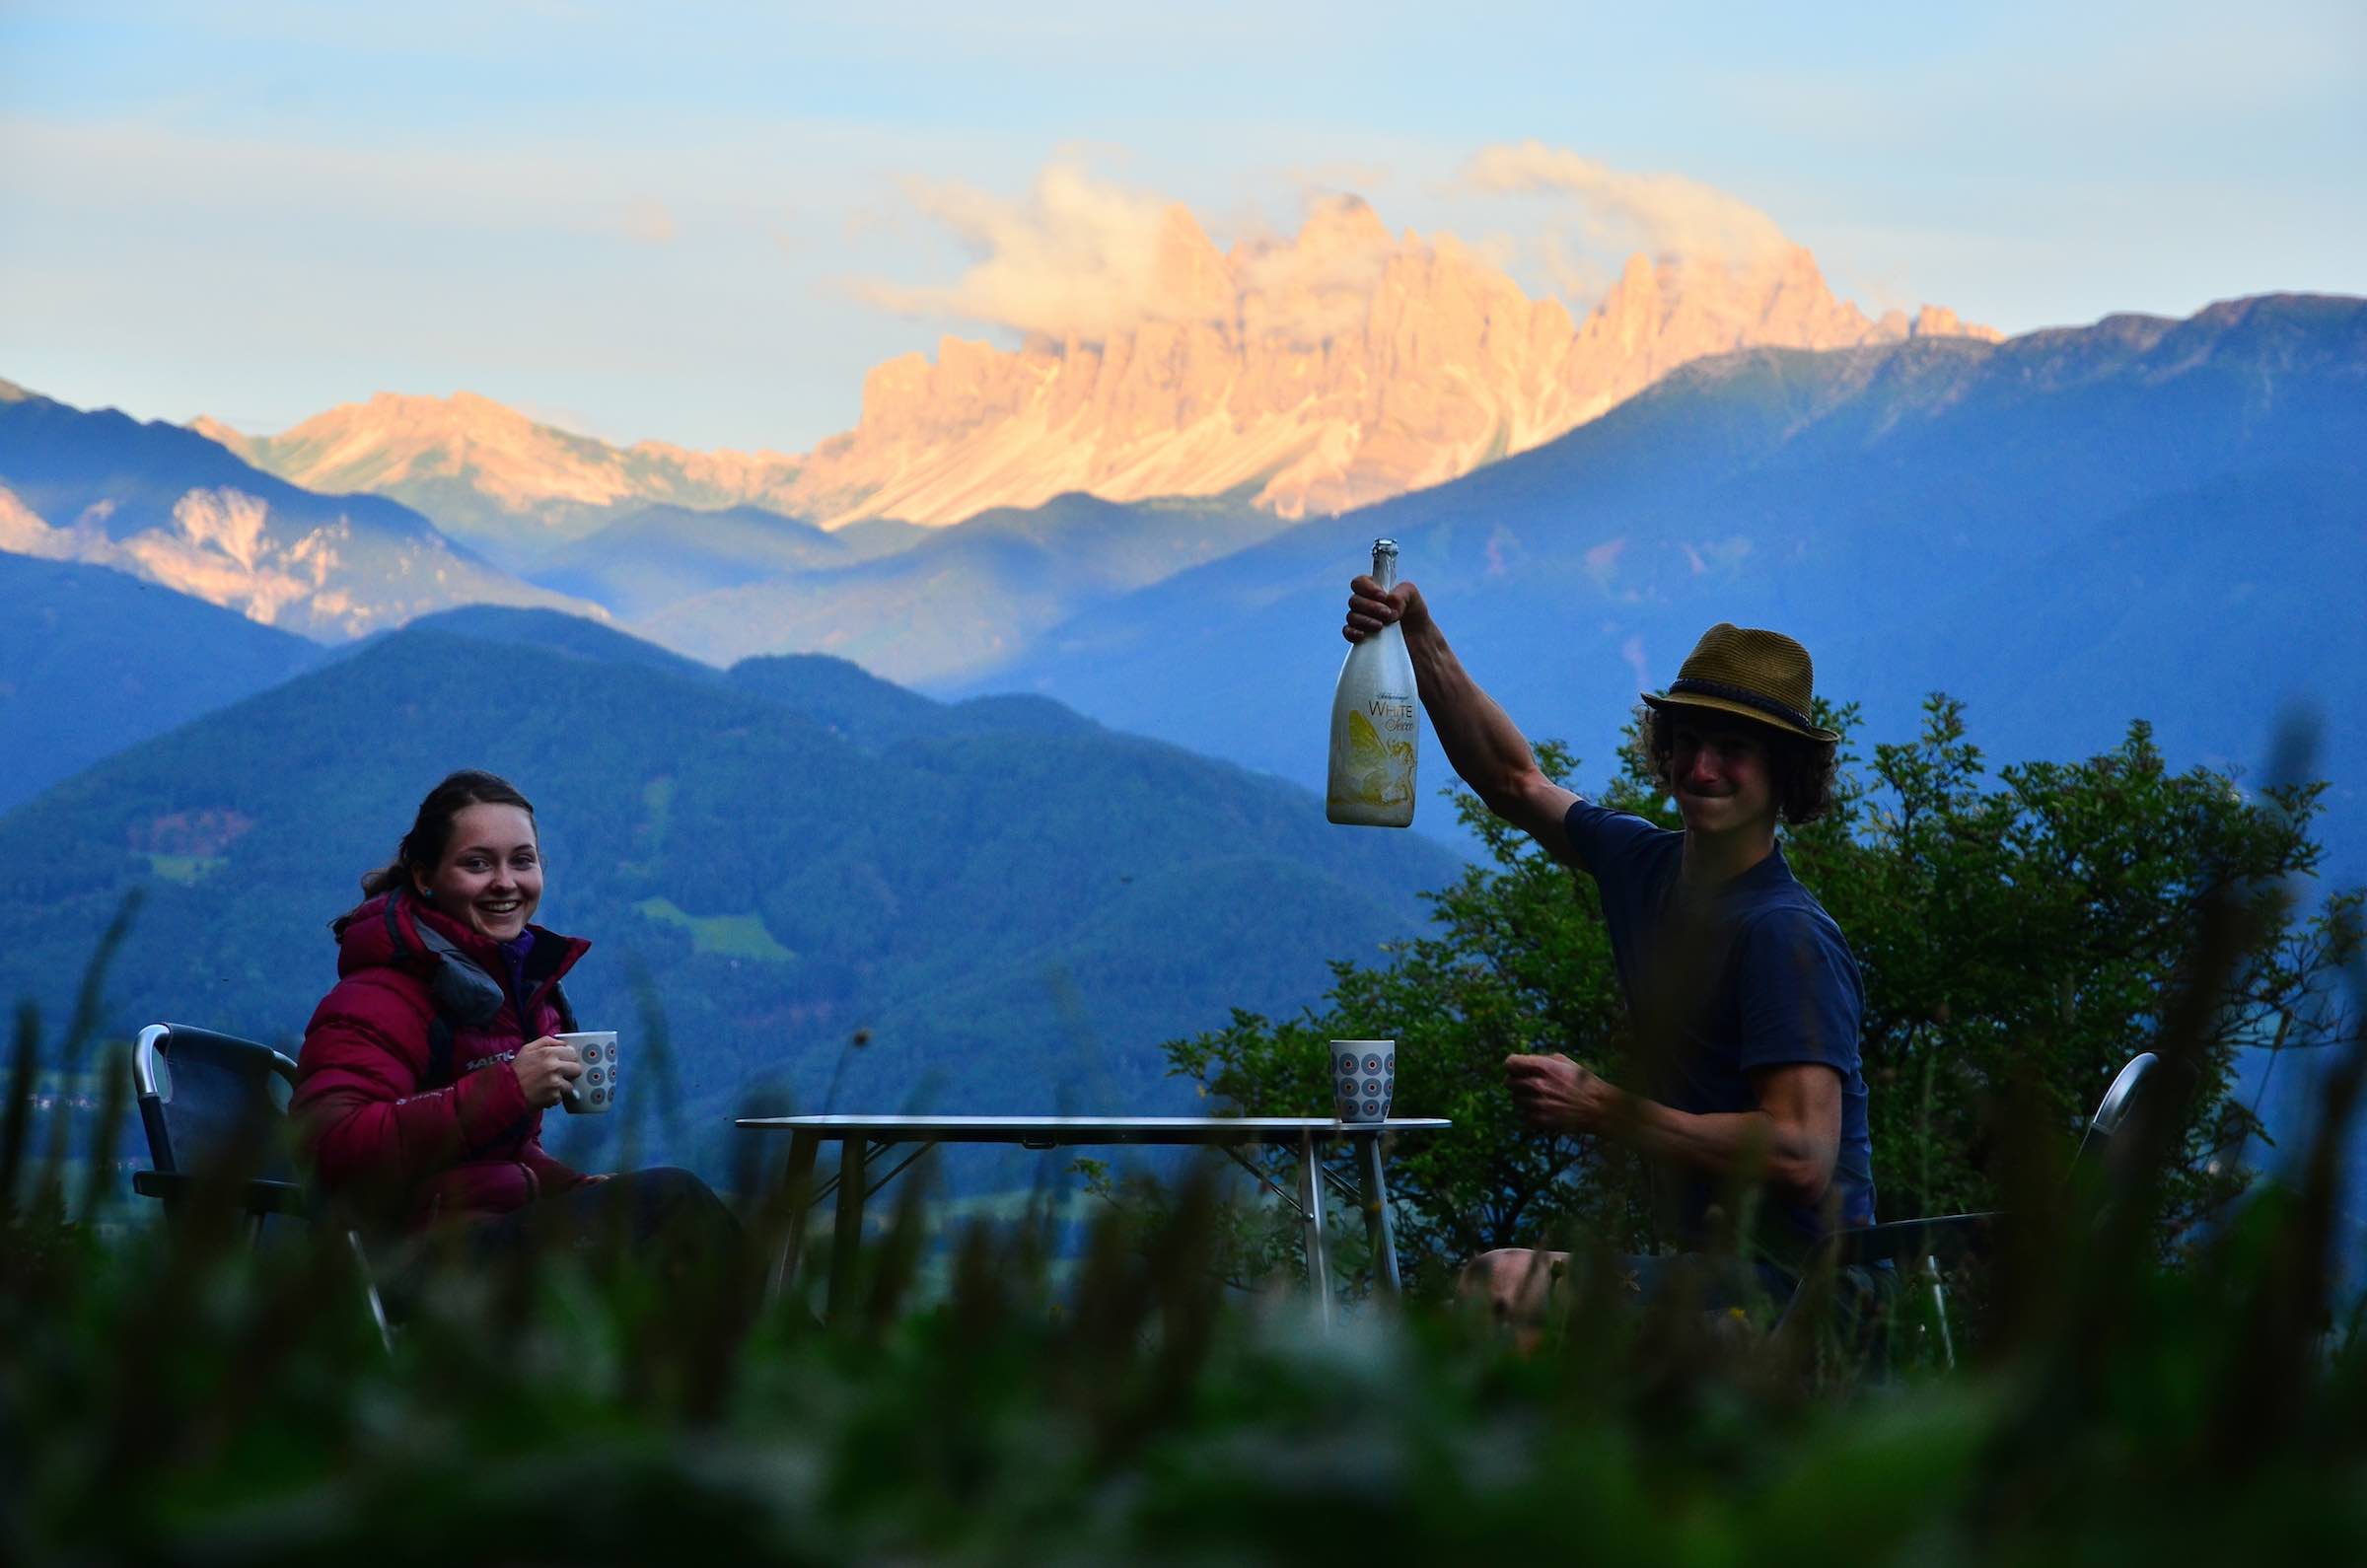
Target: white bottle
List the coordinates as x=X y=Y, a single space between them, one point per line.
x=1374 y=724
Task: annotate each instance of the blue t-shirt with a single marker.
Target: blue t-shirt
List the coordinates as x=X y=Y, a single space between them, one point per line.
x=1769 y=984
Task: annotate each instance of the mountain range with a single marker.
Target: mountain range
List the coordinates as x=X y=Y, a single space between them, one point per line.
x=493 y=477
x=1316 y=374
x=1337 y=368
x=2070 y=530
x=171 y=507
x=2145 y=519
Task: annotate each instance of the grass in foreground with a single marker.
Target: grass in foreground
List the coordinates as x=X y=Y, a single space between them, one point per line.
x=181 y=1394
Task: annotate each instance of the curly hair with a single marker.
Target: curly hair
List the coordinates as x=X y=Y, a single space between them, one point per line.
x=1800 y=769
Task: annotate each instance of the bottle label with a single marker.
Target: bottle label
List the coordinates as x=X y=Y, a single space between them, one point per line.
x=1378 y=751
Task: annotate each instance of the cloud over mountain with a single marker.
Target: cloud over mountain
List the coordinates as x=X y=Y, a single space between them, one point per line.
x=1083 y=258
x=1670 y=215
x=1075 y=258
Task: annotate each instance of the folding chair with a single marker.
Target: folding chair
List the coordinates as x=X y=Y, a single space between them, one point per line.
x=1950 y=1236
x=2118 y=1100
x=214 y=1108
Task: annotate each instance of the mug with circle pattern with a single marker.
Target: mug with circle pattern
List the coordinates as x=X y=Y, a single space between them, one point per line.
x=594 y=1094
x=1363 y=1074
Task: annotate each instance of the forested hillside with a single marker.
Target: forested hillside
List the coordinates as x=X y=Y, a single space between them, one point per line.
x=92 y=660
x=1009 y=906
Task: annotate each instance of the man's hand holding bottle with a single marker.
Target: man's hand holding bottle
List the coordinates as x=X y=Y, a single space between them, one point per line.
x=1372 y=606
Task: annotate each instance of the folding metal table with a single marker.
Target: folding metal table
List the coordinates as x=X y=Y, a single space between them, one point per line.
x=862 y=1140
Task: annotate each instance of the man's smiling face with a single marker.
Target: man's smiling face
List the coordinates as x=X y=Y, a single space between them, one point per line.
x=1721 y=771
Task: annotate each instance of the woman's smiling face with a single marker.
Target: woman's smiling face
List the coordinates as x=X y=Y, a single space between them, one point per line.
x=492 y=875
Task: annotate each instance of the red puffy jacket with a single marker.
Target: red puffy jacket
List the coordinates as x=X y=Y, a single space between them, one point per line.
x=408 y=1138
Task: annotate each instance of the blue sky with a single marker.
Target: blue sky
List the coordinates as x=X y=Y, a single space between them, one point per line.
x=670 y=221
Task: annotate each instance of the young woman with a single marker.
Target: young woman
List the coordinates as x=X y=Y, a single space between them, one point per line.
x=425 y=1073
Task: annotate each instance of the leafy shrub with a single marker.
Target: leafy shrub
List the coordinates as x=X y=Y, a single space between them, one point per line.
x=2017 y=941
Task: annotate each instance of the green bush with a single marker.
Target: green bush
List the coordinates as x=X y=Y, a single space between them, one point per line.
x=2019 y=941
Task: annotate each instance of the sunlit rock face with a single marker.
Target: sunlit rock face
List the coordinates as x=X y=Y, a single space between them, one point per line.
x=1340 y=366
x=320 y=578
x=481 y=469
x=157 y=503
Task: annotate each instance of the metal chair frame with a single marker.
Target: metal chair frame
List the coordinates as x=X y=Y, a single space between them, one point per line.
x=172 y=1182
x=1952 y=1235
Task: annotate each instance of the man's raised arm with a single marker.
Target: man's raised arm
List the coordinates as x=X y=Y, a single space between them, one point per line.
x=1482 y=745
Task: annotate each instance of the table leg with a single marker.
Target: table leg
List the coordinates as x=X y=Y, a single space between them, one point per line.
x=797 y=1192
x=1376 y=1216
x=1311 y=1204
x=846 y=1239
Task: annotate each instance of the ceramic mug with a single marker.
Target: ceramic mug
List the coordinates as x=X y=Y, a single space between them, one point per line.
x=1363 y=1074
x=595 y=1093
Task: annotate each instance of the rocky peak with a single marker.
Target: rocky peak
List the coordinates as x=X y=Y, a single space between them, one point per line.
x=1340 y=226
x=1937 y=320
x=438 y=452
x=1189 y=281
x=1332 y=369
x=241 y=445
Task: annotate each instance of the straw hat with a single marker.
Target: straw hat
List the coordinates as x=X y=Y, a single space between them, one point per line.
x=1760 y=676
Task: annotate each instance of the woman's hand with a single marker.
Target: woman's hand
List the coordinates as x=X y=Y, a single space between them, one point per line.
x=544 y=1069
x=1370 y=609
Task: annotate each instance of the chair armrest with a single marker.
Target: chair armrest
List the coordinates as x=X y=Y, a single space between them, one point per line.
x=255 y=1197
x=1938 y=1236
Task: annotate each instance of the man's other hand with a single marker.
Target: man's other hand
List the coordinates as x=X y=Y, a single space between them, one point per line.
x=1370 y=609
x=1556 y=1095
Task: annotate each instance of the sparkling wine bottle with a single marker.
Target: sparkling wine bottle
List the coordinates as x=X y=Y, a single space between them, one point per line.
x=1374 y=728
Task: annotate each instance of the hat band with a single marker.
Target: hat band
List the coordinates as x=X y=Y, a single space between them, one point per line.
x=1749 y=699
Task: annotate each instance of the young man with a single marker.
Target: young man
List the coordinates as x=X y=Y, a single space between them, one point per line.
x=1746 y=997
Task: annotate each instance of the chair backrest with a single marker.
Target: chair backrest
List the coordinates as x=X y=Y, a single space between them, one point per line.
x=2118 y=1100
x=209 y=1100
